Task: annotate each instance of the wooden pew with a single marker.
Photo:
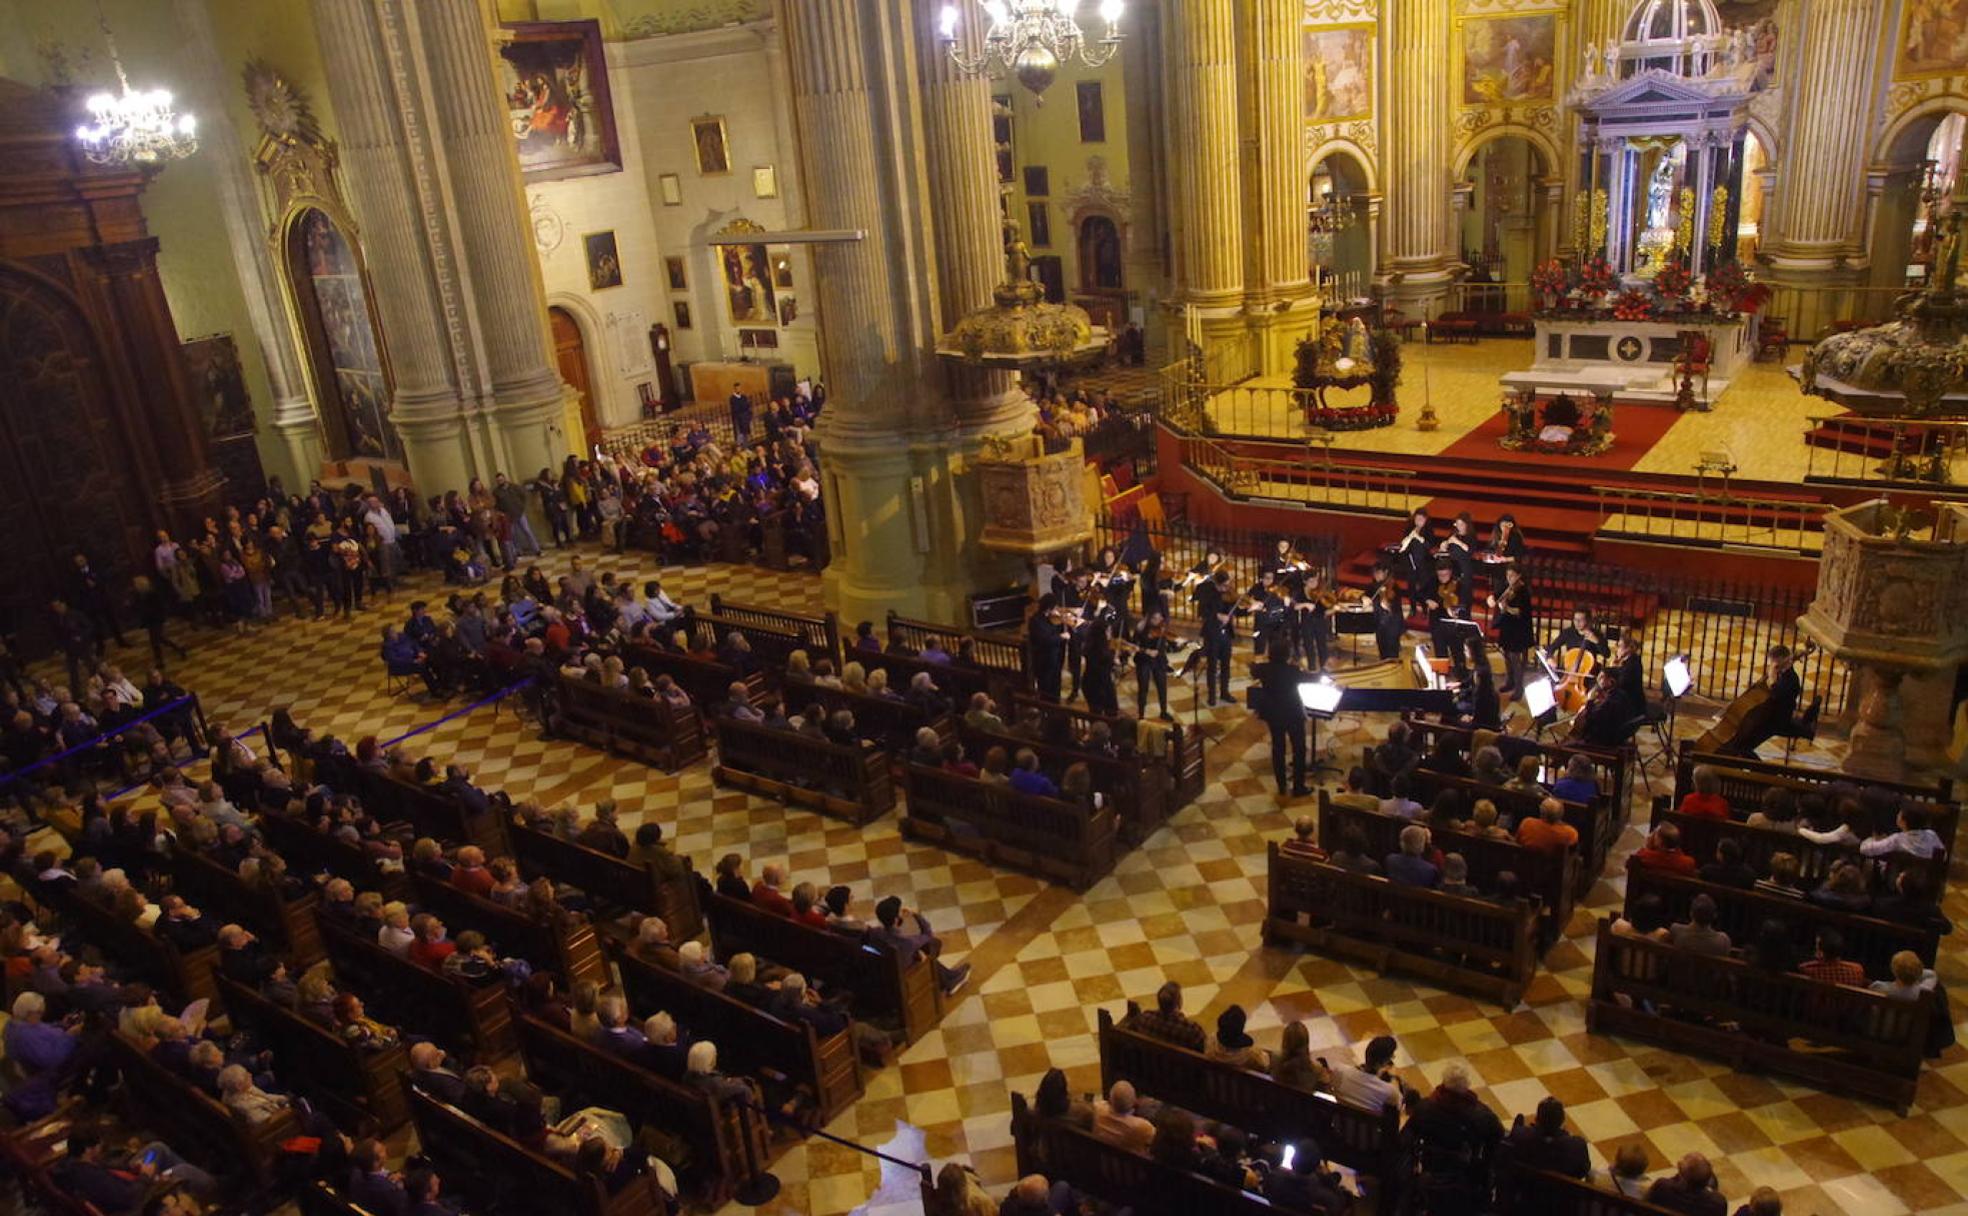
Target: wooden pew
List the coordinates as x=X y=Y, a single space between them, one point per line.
x=207 y=1134
x=750 y=1041
x=1176 y=747
x=1056 y=840
x=1744 y=781
x=1548 y=1194
x=1750 y=1017
x=1000 y=654
x=286 y=925
x=820 y=635
x=310 y=852
x=584 y=1074
x=874 y=974
x=629 y=724
x=1700 y=834
x=1366 y=1142
x=771 y=645
x=706 y=680
x=892 y=724
x=851 y=783
x=1472 y=945
x=348 y=1081
x=617 y=885
x=1869 y=940
x=572 y=952
x=428 y=811
x=1550 y=877
x=489 y=1165
x=1145 y=1186
x=1138 y=790
x=474 y=1021
x=1612 y=767
x=186 y=975
x=1594 y=824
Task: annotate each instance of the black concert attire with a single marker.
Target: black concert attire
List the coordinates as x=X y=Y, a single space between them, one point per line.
x=1219 y=616
x=1633 y=681
x=1314 y=630
x=1267 y=617
x=1413 y=557
x=1775 y=714
x=1097 y=679
x=1569 y=638
x=1071 y=599
x=1478 y=702
x=1117 y=592
x=1389 y=624
x=1515 y=630
x=1277 y=702
x=1461 y=556
x=1604 y=720
x=1151 y=666
x=1045 y=642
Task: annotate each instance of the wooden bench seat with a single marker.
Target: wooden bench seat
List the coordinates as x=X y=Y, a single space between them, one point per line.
x=771 y=645
x=1594 y=824
x=1701 y=833
x=850 y=783
x=199 y=1126
x=1178 y=748
x=570 y=951
x=1062 y=1152
x=629 y=724
x=285 y=925
x=1847 y=1040
x=613 y=883
x=349 y=1082
x=489 y=1166
x=891 y=723
x=1744 y=781
x=1549 y=1194
x=184 y=975
x=1612 y=767
x=1136 y=787
x=1000 y=655
x=1056 y=840
x=307 y=851
x=706 y=680
x=750 y=1041
x=820 y=635
x=473 y=1020
x=429 y=811
x=1472 y=945
x=880 y=985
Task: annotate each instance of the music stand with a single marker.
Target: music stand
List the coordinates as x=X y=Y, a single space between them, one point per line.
x=1321 y=699
x=1542 y=700
x=1677 y=677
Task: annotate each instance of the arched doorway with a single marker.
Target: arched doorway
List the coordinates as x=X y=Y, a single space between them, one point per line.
x=1100 y=254
x=1503 y=217
x=1340 y=238
x=571 y=356
x=1922 y=161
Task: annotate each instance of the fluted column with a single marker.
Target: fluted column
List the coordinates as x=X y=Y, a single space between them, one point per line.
x=1279 y=294
x=493 y=234
x=1819 y=216
x=392 y=179
x=1204 y=153
x=1420 y=240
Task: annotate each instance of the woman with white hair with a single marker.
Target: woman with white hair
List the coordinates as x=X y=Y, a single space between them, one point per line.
x=255 y=1105
x=701 y=1070
x=700 y=969
x=37 y=1047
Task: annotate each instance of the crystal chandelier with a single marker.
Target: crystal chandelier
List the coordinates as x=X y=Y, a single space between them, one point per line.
x=133 y=127
x=1030 y=39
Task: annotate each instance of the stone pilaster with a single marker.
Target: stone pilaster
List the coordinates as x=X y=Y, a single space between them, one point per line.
x=1417 y=224
x=1817 y=221
x=1279 y=293
x=1205 y=159
x=1147 y=243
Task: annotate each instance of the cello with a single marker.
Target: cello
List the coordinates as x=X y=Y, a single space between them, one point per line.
x=1744 y=708
x=1579 y=667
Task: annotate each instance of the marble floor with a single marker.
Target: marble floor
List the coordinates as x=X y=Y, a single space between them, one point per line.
x=1187 y=906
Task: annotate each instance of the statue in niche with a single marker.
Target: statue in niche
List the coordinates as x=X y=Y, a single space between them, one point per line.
x=1660 y=194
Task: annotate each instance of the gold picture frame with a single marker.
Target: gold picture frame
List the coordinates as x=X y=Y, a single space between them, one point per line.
x=1503 y=76
x=709 y=142
x=1340 y=68
x=1914 y=54
x=765 y=181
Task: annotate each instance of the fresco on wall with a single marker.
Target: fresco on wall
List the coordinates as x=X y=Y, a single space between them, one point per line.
x=343 y=335
x=555 y=86
x=1933 y=38
x=1339 y=73
x=1508 y=60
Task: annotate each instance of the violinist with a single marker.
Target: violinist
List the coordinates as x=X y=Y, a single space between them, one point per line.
x=1414 y=557
x=1217 y=605
x=1073 y=595
x=1287 y=563
x=1459 y=550
x=1515 y=632
x=1583 y=635
x=1115 y=579
x=1507 y=543
x=1045 y=641
x=1777 y=710
x=1151 y=664
x=1267 y=613
x=1097 y=680
x=1445 y=604
x=1389 y=621
x=1199 y=574
x=1314 y=625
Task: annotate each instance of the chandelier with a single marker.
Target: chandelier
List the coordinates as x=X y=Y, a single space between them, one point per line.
x=134 y=127
x=1331 y=214
x=1030 y=39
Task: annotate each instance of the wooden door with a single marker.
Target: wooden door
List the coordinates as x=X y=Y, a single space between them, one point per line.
x=571 y=354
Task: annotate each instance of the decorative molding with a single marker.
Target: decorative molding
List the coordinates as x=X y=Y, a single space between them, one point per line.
x=705 y=15
x=549 y=228
x=279 y=106
x=1324 y=12
x=1097 y=194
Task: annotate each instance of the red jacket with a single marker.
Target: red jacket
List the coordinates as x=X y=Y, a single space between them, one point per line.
x=1674 y=861
x=1708 y=806
x=771 y=900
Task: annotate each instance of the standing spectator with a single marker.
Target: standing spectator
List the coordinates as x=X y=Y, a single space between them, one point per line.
x=90 y=594
x=153 y=606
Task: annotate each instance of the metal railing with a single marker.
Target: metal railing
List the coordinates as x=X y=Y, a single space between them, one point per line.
x=1786 y=525
x=1182 y=546
x=1316 y=480
x=1886 y=451
x=1481 y=298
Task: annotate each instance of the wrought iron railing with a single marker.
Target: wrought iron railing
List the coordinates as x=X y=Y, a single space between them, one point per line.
x=1786 y=525
x=1845 y=449
x=1313 y=480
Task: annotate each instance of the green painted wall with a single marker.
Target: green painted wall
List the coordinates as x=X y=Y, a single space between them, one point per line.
x=1047 y=135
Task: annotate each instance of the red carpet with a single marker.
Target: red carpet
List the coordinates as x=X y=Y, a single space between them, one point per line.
x=1636 y=429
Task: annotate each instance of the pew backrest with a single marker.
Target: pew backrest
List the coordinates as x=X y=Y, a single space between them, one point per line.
x=316 y=1060
x=202 y=1128
x=470 y=1019
x=820 y=635
x=464 y=1149
x=1055 y=839
x=1869 y=940
x=570 y=949
x=1121 y=1177
x=613 y=881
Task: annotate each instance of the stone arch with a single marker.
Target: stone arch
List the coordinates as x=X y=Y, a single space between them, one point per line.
x=1546 y=149
x=1369 y=171
x=1905 y=138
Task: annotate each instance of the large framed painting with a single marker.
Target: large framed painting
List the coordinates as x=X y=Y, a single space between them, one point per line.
x=748 y=285
x=212 y=364
x=713 y=149
x=1339 y=67
x=342 y=339
x=1509 y=60
x=555 y=83
x=1933 y=38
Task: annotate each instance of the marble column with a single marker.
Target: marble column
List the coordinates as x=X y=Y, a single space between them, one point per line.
x=517 y=375
x=1817 y=221
x=393 y=179
x=1420 y=236
x=1279 y=294
x=228 y=160
x=1205 y=160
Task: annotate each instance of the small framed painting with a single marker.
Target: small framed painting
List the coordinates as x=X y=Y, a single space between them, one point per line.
x=682 y=308
x=788 y=310
x=674 y=267
x=1038 y=182
x=713 y=153
x=671 y=187
x=765 y=181
x=604 y=263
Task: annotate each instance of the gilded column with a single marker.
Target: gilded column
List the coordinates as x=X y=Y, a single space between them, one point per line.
x=1279 y=294
x=1818 y=218
x=481 y=166
x=1206 y=159
x=1420 y=240
x=391 y=176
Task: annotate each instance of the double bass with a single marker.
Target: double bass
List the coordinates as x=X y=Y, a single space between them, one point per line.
x=1745 y=707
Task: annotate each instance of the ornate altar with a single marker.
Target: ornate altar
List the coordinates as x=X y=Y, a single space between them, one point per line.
x=1034 y=503
x=1562 y=426
x=1345 y=354
x=1892 y=602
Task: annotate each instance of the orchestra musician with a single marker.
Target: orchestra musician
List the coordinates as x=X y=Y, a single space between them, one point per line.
x=1582 y=634
x=1389 y=621
x=1778 y=709
x=1507 y=543
x=1632 y=677
x=1115 y=580
x=1477 y=703
x=1201 y=573
x=1072 y=596
x=1445 y=604
x=1314 y=625
x=1267 y=612
x=1414 y=556
x=1459 y=550
x=1218 y=608
x=1097 y=679
x=1515 y=631
x=1151 y=664
x=1046 y=636
x=1283 y=710
x=1607 y=719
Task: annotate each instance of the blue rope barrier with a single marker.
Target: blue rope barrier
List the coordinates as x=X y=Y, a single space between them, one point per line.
x=501 y=695
x=45 y=761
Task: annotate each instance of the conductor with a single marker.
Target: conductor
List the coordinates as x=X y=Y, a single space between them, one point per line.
x=1276 y=700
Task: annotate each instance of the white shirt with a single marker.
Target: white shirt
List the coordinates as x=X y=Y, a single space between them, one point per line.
x=385 y=526
x=1363 y=1090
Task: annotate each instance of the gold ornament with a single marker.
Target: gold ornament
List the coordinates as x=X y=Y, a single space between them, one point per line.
x=1718 y=216
x=1684 y=231
x=1581 y=222
x=1601 y=218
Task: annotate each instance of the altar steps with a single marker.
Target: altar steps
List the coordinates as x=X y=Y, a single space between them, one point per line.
x=1874 y=444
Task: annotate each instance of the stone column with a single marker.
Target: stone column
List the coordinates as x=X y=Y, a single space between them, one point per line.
x=1147 y=238
x=1420 y=241
x=392 y=180
x=1279 y=294
x=1815 y=226
x=1205 y=160
x=517 y=373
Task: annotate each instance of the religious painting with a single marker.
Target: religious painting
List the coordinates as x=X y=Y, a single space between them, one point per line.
x=1093 y=113
x=554 y=81
x=1509 y=60
x=353 y=391
x=1038 y=181
x=782 y=267
x=604 y=262
x=788 y=310
x=748 y=284
x=713 y=153
x=674 y=268
x=1039 y=221
x=682 y=309
x=1933 y=38
x=1339 y=73
x=212 y=367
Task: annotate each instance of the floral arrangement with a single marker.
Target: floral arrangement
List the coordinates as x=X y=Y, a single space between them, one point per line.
x=1596 y=276
x=1351 y=417
x=1729 y=288
x=1633 y=305
x=1593 y=290
x=1674 y=280
x=1550 y=279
